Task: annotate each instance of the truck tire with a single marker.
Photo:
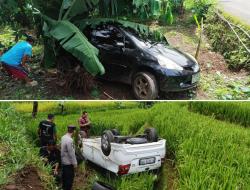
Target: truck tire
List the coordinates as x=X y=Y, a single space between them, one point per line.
x=115 y=132
x=101 y=186
x=136 y=141
x=151 y=134
x=106 y=140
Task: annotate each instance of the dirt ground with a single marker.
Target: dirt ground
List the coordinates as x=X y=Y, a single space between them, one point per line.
x=26 y=179
x=182 y=37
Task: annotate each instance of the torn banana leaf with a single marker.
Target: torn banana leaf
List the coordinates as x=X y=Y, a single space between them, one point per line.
x=75 y=42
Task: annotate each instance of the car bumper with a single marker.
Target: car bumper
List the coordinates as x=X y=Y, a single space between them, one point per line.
x=178 y=83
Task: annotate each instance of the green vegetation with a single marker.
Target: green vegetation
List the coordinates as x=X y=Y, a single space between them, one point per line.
x=16 y=151
x=236 y=112
x=206 y=153
x=224 y=40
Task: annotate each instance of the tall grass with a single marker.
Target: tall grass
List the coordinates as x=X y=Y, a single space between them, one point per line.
x=15 y=150
x=235 y=112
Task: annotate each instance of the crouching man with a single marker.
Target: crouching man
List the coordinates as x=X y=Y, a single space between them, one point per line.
x=15 y=61
x=68 y=157
x=51 y=156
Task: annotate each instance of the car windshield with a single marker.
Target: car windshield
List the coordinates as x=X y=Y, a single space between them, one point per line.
x=138 y=39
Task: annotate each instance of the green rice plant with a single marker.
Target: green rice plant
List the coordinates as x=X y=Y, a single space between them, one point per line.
x=17 y=152
x=209 y=154
x=235 y=112
x=74 y=107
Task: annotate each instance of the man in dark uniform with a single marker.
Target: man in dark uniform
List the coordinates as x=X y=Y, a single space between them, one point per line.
x=68 y=157
x=47 y=131
x=52 y=156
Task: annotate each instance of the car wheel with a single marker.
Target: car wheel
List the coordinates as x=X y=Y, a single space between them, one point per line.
x=101 y=186
x=145 y=86
x=106 y=140
x=151 y=134
x=115 y=132
x=136 y=141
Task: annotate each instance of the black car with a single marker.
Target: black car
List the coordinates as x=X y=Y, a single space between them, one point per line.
x=149 y=67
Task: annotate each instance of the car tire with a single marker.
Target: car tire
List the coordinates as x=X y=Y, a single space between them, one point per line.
x=115 y=132
x=136 y=141
x=101 y=186
x=106 y=140
x=145 y=86
x=151 y=134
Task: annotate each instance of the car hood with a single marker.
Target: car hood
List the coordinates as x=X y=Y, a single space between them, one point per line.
x=169 y=54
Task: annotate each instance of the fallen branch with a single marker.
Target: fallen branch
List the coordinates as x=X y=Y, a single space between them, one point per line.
x=106 y=94
x=231 y=26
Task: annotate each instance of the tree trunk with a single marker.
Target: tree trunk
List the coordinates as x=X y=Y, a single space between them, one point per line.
x=35 y=109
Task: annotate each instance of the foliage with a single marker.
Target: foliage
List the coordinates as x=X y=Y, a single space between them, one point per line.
x=74 y=41
x=15 y=12
x=236 y=112
x=225 y=41
x=16 y=151
x=199 y=7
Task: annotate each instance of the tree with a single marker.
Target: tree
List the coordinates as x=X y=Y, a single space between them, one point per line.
x=35 y=109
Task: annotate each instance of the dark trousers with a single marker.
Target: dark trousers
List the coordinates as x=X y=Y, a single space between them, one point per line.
x=43 y=142
x=68 y=174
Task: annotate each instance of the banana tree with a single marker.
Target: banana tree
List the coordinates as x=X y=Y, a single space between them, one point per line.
x=70 y=37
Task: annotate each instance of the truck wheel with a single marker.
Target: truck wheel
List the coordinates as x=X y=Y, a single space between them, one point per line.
x=145 y=86
x=101 y=186
x=151 y=134
x=115 y=132
x=106 y=140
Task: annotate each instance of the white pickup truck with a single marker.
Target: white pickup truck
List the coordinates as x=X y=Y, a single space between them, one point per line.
x=124 y=155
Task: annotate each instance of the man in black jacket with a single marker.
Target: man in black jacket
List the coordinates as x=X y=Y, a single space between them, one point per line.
x=47 y=131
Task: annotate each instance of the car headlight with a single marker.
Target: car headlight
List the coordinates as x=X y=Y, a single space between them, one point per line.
x=168 y=64
x=192 y=57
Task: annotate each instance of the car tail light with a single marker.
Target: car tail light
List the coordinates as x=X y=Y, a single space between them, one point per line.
x=123 y=169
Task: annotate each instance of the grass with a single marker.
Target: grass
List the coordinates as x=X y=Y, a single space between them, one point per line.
x=206 y=153
x=236 y=112
x=16 y=151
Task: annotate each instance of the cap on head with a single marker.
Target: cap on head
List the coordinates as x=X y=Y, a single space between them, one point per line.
x=71 y=128
x=51 y=116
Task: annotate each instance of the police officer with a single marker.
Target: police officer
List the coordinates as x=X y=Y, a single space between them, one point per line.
x=68 y=159
x=47 y=130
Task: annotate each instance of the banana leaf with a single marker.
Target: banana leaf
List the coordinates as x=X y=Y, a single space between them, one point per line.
x=73 y=8
x=74 y=41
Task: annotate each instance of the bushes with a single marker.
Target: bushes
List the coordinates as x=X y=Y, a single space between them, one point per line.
x=236 y=112
x=225 y=41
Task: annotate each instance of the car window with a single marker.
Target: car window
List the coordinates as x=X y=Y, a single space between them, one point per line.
x=107 y=35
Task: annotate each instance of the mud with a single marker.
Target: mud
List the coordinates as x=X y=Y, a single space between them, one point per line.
x=25 y=179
